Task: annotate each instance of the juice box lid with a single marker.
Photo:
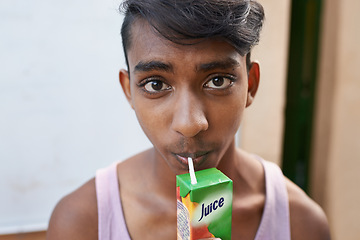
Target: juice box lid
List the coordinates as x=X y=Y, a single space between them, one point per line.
x=206 y=178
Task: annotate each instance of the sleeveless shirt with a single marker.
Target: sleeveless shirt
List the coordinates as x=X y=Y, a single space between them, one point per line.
x=274 y=225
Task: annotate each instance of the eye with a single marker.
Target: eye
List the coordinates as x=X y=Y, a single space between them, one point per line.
x=154 y=86
x=219 y=82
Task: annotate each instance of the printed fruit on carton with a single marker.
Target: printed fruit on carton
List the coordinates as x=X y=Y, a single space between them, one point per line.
x=200 y=232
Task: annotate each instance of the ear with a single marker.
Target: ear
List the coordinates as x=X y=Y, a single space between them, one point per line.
x=253 y=82
x=125 y=84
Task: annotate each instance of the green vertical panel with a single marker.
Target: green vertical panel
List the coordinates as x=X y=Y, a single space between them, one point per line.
x=301 y=83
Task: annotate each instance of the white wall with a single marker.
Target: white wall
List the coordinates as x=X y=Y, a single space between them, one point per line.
x=62 y=111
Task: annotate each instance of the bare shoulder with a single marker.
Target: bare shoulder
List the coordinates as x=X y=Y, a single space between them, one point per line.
x=307 y=219
x=75 y=216
x=137 y=165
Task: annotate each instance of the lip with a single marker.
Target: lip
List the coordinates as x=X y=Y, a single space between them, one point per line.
x=198 y=157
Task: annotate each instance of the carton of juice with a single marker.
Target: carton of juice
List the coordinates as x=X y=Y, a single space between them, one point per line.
x=204 y=209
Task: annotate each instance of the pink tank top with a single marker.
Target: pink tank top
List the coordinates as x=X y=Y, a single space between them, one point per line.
x=274 y=225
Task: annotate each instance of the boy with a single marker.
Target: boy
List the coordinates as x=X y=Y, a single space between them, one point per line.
x=189 y=80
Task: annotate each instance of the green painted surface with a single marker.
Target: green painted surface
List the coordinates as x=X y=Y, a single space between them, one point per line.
x=301 y=89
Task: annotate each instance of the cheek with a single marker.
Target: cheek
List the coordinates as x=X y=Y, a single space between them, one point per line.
x=228 y=114
x=145 y=116
x=143 y=111
x=228 y=119
x=151 y=118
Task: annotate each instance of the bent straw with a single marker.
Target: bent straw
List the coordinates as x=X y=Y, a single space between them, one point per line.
x=191 y=171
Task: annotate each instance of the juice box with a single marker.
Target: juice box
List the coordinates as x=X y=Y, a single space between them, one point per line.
x=204 y=209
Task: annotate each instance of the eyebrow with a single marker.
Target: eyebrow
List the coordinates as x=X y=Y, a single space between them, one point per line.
x=153 y=65
x=221 y=64
x=167 y=67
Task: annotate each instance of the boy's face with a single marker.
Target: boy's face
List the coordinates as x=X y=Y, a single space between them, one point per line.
x=189 y=99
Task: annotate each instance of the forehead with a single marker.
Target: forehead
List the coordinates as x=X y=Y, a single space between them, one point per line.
x=147 y=45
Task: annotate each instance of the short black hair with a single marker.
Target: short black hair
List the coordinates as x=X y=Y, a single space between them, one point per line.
x=238 y=22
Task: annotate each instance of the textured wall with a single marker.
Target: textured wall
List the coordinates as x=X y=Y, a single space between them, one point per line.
x=337 y=146
x=262 y=126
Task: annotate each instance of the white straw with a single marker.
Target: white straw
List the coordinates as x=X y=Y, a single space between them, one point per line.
x=191 y=171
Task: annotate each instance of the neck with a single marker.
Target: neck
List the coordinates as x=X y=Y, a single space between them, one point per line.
x=164 y=178
x=228 y=161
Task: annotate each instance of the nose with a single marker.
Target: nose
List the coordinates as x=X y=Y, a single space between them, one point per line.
x=189 y=117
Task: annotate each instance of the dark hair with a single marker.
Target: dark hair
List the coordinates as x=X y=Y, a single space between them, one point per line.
x=238 y=22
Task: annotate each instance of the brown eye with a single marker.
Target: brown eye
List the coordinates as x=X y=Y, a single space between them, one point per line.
x=219 y=83
x=156 y=86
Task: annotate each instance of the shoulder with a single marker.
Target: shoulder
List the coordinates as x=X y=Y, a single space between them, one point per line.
x=75 y=215
x=131 y=168
x=307 y=219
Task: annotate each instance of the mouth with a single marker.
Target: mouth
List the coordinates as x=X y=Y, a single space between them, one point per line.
x=197 y=157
